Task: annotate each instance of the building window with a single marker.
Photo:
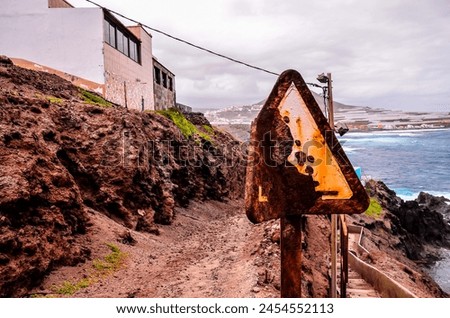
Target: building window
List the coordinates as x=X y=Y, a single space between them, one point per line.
x=106 y=31
x=120 y=40
x=157 y=75
x=170 y=83
x=134 y=51
x=112 y=36
x=126 y=46
x=164 y=79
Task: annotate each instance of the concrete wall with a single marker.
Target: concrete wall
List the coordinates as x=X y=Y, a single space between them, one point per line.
x=385 y=285
x=164 y=97
x=123 y=74
x=78 y=81
x=52 y=37
x=14 y=7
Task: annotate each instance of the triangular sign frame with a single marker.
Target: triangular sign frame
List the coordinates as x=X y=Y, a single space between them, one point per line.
x=295 y=163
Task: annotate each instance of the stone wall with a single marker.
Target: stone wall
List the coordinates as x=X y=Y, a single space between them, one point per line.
x=164 y=86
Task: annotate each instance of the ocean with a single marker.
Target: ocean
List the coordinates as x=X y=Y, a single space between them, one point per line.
x=408 y=162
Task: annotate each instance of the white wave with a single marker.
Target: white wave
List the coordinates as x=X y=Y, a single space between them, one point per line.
x=408 y=195
x=375 y=139
x=408 y=131
x=352 y=149
x=397 y=132
x=408 y=134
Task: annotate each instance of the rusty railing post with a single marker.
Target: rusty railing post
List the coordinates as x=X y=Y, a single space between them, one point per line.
x=344 y=255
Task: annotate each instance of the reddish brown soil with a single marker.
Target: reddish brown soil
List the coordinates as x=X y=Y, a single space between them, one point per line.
x=210 y=250
x=61 y=157
x=206 y=252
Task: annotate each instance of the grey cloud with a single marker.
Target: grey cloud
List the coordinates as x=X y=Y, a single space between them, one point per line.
x=381 y=53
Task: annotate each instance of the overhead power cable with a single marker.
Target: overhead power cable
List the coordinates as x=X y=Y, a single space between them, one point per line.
x=185 y=42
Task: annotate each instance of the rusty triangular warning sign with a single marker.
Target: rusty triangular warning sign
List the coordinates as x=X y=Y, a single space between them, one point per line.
x=295 y=163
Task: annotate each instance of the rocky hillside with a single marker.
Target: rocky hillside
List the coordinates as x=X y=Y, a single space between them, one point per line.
x=405 y=237
x=418 y=227
x=64 y=150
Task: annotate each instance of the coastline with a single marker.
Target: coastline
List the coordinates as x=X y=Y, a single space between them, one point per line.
x=439 y=271
x=393 y=130
x=414 y=195
x=405 y=129
x=411 y=232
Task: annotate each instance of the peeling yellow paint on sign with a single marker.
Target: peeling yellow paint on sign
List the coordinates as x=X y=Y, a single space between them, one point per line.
x=261 y=198
x=310 y=153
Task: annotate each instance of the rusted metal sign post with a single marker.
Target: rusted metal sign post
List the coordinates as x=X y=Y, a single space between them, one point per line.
x=297 y=166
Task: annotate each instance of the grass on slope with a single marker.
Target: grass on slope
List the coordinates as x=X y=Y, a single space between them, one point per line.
x=188 y=129
x=92 y=98
x=374 y=210
x=109 y=264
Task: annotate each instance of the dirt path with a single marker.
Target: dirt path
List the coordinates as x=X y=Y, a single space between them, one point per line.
x=211 y=250
x=207 y=252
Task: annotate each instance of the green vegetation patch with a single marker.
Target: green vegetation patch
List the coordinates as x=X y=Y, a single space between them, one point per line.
x=187 y=128
x=55 y=100
x=374 y=210
x=110 y=262
x=209 y=130
x=102 y=267
x=204 y=136
x=69 y=288
x=92 y=98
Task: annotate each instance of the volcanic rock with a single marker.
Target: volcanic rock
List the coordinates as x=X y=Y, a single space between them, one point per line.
x=61 y=156
x=418 y=223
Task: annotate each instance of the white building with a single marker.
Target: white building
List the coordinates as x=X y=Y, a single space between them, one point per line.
x=89 y=43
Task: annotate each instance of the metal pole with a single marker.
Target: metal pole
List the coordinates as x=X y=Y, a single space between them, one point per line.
x=333 y=216
x=291 y=256
x=125 y=93
x=330 y=102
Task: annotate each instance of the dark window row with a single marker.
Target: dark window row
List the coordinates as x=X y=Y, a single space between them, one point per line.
x=121 y=41
x=163 y=78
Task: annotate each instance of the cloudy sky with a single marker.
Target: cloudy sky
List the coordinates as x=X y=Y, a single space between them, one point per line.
x=381 y=53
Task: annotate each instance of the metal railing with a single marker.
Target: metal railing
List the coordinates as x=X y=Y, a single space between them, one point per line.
x=343 y=231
